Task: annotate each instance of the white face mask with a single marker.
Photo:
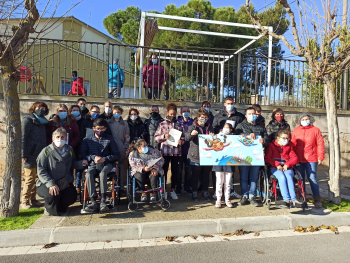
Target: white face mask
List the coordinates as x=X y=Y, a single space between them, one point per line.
x=284 y=142
x=133 y=117
x=226 y=131
x=108 y=110
x=59 y=143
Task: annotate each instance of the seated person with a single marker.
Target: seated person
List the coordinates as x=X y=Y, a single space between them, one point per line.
x=55 y=165
x=139 y=155
x=281 y=156
x=101 y=151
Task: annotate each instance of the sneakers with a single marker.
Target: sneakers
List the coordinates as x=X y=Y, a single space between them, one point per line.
x=144 y=197
x=153 y=197
x=218 y=204
x=173 y=195
x=188 y=191
x=103 y=207
x=214 y=196
x=92 y=208
x=36 y=203
x=229 y=204
x=205 y=196
x=244 y=201
x=25 y=206
x=194 y=197
x=46 y=213
x=253 y=202
x=235 y=194
x=295 y=203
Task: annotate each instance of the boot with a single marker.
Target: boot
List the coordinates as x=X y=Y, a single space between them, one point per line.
x=318 y=201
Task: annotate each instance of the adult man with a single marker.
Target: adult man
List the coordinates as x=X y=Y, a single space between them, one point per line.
x=151 y=126
x=107 y=114
x=185 y=122
x=55 y=183
x=82 y=104
x=115 y=79
x=249 y=174
x=101 y=151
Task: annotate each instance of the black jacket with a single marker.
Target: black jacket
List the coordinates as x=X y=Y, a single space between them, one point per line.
x=274 y=126
x=151 y=126
x=221 y=118
x=261 y=120
x=193 y=152
x=105 y=116
x=247 y=128
x=137 y=130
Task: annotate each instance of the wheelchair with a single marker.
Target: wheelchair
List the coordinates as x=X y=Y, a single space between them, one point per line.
x=268 y=188
x=113 y=191
x=134 y=193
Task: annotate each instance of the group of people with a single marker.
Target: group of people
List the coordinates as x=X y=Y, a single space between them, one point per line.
x=94 y=139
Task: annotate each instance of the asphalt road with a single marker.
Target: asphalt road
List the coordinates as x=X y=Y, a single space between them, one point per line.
x=308 y=248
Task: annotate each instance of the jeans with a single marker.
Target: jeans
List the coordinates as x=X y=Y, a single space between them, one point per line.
x=249 y=179
x=200 y=173
x=184 y=161
x=78 y=175
x=156 y=93
x=310 y=169
x=286 y=184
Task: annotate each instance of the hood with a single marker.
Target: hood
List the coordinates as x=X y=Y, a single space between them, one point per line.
x=114 y=66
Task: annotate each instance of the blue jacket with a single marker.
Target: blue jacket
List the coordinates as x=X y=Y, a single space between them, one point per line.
x=105 y=147
x=116 y=76
x=185 y=126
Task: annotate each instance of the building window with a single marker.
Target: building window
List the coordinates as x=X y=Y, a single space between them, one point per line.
x=67 y=85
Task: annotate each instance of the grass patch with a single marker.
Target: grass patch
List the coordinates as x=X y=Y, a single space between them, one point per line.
x=343 y=207
x=24 y=220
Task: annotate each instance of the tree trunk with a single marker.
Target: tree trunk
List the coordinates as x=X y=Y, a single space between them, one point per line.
x=10 y=199
x=333 y=138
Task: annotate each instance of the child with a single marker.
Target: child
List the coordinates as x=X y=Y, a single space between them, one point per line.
x=281 y=156
x=224 y=174
x=260 y=119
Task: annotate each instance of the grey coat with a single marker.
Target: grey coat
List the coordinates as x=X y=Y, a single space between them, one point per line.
x=33 y=139
x=151 y=127
x=118 y=130
x=52 y=167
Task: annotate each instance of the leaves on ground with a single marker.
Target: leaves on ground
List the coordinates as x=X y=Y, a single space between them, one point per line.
x=333 y=229
x=260 y=252
x=241 y=232
x=312 y=228
x=257 y=234
x=193 y=237
x=107 y=241
x=50 y=245
x=226 y=239
x=191 y=208
x=178 y=241
x=300 y=229
x=170 y=238
x=207 y=236
x=227 y=234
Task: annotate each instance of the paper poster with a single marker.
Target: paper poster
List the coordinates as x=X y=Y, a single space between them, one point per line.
x=173 y=140
x=231 y=122
x=89 y=132
x=67 y=138
x=152 y=162
x=234 y=150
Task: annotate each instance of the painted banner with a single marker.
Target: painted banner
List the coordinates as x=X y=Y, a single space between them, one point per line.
x=234 y=150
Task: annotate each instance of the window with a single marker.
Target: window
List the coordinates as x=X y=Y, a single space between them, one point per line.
x=67 y=85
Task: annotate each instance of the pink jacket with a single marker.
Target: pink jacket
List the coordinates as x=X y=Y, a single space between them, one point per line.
x=154 y=76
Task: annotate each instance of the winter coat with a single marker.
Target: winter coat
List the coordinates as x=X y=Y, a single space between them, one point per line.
x=185 y=125
x=116 y=76
x=33 y=133
x=224 y=168
x=137 y=164
x=275 y=151
x=119 y=129
x=221 y=118
x=247 y=128
x=151 y=126
x=78 y=84
x=137 y=130
x=274 y=126
x=84 y=112
x=261 y=120
x=105 y=116
x=193 y=152
x=154 y=76
x=78 y=148
x=308 y=144
x=53 y=167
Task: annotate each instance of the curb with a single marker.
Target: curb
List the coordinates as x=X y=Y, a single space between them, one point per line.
x=30 y=237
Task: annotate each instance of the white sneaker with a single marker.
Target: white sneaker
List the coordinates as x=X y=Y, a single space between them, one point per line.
x=166 y=195
x=173 y=195
x=235 y=194
x=214 y=196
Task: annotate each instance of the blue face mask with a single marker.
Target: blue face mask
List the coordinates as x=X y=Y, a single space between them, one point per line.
x=95 y=115
x=75 y=113
x=230 y=107
x=186 y=115
x=207 y=109
x=145 y=149
x=154 y=61
x=252 y=118
x=305 y=123
x=62 y=115
x=116 y=115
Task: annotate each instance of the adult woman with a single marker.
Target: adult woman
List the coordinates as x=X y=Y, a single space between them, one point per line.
x=136 y=126
x=154 y=76
x=139 y=155
x=169 y=152
x=33 y=132
x=277 y=123
x=67 y=121
x=309 y=147
x=200 y=126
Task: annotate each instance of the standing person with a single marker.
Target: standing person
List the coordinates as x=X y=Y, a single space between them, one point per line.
x=154 y=76
x=121 y=134
x=260 y=119
x=33 y=141
x=77 y=85
x=81 y=102
x=67 y=121
x=170 y=153
x=151 y=125
x=185 y=122
x=249 y=174
x=207 y=106
x=107 y=114
x=136 y=126
x=277 y=123
x=115 y=80
x=199 y=173
x=87 y=123
x=309 y=147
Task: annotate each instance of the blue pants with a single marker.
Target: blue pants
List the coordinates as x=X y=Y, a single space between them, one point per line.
x=285 y=181
x=78 y=175
x=249 y=176
x=310 y=169
x=184 y=161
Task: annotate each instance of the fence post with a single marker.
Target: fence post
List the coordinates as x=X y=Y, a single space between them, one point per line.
x=346 y=89
x=107 y=69
x=239 y=61
x=142 y=44
x=269 y=68
x=221 y=81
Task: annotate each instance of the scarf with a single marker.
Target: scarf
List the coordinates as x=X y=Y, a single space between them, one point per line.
x=41 y=119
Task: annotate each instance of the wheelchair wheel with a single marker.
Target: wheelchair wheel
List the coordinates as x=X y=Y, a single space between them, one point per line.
x=262 y=185
x=165 y=204
x=132 y=206
x=268 y=203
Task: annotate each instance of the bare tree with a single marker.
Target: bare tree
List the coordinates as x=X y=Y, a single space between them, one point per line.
x=324 y=44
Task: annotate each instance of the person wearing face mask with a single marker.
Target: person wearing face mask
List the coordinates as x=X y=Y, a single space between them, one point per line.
x=116 y=79
x=277 y=123
x=101 y=151
x=136 y=126
x=199 y=173
x=249 y=174
x=281 y=156
x=151 y=125
x=139 y=155
x=309 y=147
x=107 y=114
x=33 y=132
x=170 y=153
x=206 y=105
x=81 y=102
x=55 y=165
x=87 y=122
x=154 y=76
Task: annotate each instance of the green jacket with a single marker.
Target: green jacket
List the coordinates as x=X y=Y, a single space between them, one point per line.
x=52 y=167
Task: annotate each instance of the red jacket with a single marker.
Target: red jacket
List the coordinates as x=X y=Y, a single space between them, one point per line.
x=151 y=77
x=276 y=151
x=308 y=144
x=78 y=84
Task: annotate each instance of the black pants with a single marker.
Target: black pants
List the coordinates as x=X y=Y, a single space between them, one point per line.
x=140 y=179
x=200 y=173
x=60 y=202
x=174 y=168
x=153 y=93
